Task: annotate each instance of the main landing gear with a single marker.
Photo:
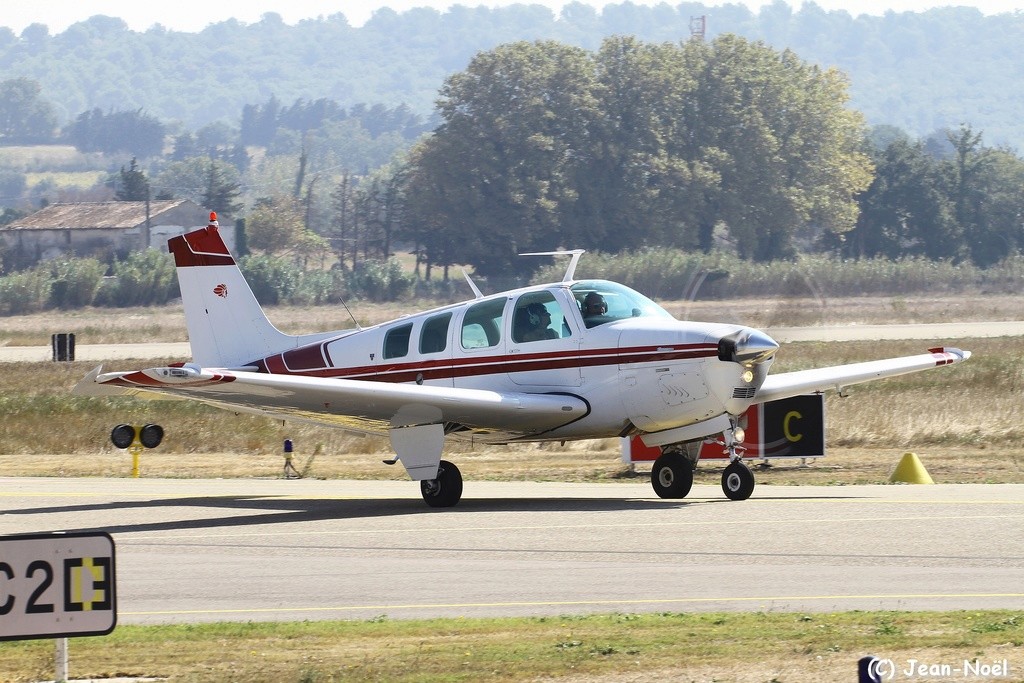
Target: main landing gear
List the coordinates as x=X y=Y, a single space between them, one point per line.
x=672 y=474
x=444 y=491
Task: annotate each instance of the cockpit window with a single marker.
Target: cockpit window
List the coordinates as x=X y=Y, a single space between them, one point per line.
x=602 y=302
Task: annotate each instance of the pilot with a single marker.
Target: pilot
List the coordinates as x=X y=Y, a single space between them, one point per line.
x=595 y=310
x=539 y=319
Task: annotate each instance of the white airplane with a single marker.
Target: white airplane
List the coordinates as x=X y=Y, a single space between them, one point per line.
x=576 y=359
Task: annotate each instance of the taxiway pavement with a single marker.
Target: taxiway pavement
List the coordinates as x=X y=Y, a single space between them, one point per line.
x=240 y=550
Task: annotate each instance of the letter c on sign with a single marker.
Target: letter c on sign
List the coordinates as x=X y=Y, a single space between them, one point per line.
x=790 y=436
x=9 y=603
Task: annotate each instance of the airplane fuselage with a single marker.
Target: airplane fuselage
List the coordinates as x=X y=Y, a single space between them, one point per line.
x=636 y=367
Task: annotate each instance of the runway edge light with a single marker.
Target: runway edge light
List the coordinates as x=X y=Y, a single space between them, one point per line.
x=910 y=471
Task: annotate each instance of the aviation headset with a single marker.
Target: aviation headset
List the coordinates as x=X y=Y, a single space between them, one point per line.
x=594 y=304
x=535 y=311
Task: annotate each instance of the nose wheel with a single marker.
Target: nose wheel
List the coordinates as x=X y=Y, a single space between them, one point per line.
x=737 y=481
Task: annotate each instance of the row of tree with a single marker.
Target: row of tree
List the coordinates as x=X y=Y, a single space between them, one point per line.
x=26 y=117
x=701 y=145
x=920 y=71
x=697 y=145
x=967 y=203
x=544 y=144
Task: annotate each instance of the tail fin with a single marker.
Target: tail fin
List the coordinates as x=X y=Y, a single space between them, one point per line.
x=226 y=325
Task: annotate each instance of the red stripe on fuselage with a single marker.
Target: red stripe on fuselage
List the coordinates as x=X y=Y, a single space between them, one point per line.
x=447 y=368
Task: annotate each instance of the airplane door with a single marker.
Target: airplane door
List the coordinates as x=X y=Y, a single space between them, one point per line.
x=543 y=346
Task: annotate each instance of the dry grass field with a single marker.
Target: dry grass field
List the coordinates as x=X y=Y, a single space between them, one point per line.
x=965 y=422
x=167 y=323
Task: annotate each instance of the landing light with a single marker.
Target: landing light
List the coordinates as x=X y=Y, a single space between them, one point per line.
x=738 y=434
x=748 y=376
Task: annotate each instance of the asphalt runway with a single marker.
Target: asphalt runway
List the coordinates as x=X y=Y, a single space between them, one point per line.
x=256 y=550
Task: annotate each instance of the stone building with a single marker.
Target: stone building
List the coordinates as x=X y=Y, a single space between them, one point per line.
x=100 y=229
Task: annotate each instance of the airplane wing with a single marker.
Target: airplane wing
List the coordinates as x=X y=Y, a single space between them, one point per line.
x=838 y=377
x=359 y=405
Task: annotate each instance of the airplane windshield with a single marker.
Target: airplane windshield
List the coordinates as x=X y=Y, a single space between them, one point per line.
x=602 y=302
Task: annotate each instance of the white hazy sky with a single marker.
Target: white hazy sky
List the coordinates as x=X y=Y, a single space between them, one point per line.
x=194 y=16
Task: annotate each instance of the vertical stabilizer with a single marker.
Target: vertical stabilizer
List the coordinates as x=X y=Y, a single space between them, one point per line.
x=226 y=325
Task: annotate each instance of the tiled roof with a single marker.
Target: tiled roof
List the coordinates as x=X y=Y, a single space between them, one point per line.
x=94 y=215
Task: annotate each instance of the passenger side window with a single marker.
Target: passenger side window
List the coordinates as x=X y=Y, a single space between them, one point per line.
x=481 y=328
x=434 y=336
x=396 y=341
x=538 y=317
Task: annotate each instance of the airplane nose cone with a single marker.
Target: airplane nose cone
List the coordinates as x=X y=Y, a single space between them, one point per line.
x=747 y=347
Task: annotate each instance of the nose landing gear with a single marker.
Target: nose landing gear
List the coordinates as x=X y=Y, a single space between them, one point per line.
x=737 y=479
x=672 y=473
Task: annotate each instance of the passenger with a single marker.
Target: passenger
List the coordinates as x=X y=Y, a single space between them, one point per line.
x=539 y=319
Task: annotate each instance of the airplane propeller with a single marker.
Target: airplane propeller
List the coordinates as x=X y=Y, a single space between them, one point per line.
x=747 y=347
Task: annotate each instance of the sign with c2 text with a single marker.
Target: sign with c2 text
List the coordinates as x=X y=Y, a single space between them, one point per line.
x=57 y=585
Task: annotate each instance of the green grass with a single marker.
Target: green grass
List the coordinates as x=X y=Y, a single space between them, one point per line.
x=667 y=646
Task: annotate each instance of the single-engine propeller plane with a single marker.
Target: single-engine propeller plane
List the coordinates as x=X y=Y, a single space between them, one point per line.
x=576 y=359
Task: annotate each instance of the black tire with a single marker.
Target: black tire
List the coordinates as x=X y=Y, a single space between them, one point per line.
x=446 y=490
x=672 y=475
x=737 y=481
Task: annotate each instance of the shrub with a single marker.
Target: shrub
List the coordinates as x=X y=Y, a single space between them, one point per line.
x=273 y=279
x=381 y=281
x=75 y=282
x=673 y=274
x=24 y=292
x=318 y=287
x=145 y=278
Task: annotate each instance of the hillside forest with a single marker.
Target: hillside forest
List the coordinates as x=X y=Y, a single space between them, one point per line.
x=724 y=144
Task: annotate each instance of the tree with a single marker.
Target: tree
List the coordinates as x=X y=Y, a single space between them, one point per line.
x=776 y=132
x=24 y=116
x=133 y=186
x=343 y=228
x=119 y=131
x=221 y=188
x=274 y=225
x=985 y=187
x=516 y=126
x=905 y=210
x=544 y=144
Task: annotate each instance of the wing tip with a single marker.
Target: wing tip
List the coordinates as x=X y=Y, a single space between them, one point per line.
x=953 y=354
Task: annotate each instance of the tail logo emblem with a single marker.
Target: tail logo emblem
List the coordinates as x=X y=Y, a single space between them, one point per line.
x=221 y=290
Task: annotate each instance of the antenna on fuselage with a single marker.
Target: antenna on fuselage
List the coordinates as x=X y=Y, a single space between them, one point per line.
x=356 y=322
x=472 y=285
x=570 y=272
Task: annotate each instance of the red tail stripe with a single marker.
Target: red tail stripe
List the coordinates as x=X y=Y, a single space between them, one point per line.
x=200 y=248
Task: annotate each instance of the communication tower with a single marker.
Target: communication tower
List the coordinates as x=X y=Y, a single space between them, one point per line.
x=697 y=27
